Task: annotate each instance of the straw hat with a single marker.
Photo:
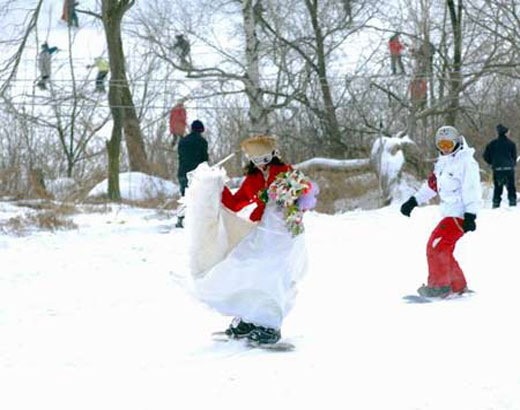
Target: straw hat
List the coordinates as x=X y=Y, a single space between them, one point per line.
x=258 y=145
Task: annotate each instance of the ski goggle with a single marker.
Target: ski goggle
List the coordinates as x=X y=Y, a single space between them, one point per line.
x=262 y=159
x=445 y=145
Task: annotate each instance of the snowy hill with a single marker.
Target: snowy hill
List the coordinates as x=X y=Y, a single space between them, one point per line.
x=100 y=318
x=138 y=187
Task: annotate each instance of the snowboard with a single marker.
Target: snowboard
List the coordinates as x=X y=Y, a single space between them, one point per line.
x=426 y=299
x=279 y=346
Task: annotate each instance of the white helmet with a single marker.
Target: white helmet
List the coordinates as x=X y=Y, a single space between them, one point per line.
x=448 y=133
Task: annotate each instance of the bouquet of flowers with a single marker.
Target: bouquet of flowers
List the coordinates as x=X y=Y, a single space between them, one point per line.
x=294 y=193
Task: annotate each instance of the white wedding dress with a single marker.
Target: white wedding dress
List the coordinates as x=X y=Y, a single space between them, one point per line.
x=253 y=277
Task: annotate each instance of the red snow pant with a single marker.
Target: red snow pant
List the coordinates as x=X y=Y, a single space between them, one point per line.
x=442 y=266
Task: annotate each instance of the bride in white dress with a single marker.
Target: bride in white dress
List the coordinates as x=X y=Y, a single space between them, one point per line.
x=244 y=269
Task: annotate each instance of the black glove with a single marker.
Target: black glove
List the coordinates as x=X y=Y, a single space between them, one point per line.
x=469 y=222
x=408 y=206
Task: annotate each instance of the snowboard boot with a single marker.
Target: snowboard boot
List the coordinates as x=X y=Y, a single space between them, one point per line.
x=180 y=223
x=264 y=335
x=434 y=292
x=496 y=205
x=238 y=329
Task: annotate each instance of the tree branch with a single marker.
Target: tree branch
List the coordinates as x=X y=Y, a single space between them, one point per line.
x=14 y=61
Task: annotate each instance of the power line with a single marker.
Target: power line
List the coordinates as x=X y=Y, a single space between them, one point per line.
x=79 y=105
x=217 y=78
x=171 y=80
x=166 y=108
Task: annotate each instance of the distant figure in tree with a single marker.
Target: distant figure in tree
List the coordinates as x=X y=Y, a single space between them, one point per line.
x=418 y=90
x=396 y=48
x=182 y=49
x=44 y=64
x=347 y=6
x=178 y=121
x=103 y=67
x=423 y=53
x=69 y=14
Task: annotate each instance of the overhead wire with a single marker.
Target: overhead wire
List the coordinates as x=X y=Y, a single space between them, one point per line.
x=219 y=78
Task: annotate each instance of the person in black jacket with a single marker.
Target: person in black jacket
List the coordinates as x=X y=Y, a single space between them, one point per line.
x=192 y=150
x=501 y=155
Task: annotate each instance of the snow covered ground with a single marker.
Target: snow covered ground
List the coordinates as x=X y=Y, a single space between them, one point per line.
x=99 y=318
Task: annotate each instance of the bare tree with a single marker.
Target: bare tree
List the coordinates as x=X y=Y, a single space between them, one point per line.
x=62 y=116
x=251 y=11
x=239 y=71
x=10 y=65
x=464 y=55
x=455 y=13
x=120 y=98
x=322 y=28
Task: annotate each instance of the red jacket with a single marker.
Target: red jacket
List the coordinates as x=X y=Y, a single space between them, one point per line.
x=418 y=89
x=250 y=191
x=178 y=120
x=395 y=46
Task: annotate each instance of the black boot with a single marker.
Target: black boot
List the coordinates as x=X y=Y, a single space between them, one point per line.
x=264 y=335
x=180 y=223
x=239 y=329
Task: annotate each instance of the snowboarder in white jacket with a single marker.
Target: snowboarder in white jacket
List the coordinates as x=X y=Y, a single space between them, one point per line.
x=456 y=180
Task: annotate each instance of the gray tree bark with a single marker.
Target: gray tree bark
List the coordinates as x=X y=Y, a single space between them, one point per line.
x=120 y=97
x=254 y=93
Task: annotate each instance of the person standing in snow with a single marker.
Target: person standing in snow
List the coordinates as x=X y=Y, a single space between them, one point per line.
x=256 y=281
x=44 y=64
x=501 y=155
x=456 y=180
x=192 y=151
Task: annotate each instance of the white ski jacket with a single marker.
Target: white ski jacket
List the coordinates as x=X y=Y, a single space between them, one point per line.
x=456 y=179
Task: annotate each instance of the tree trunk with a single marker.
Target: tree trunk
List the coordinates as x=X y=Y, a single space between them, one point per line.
x=255 y=95
x=114 y=151
x=455 y=74
x=112 y=14
x=330 y=118
x=133 y=136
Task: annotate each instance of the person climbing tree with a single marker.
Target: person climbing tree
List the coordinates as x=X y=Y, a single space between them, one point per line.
x=396 y=48
x=102 y=65
x=178 y=121
x=182 y=49
x=418 y=90
x=423 y=53
x=44 y=64
x=69 y=14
